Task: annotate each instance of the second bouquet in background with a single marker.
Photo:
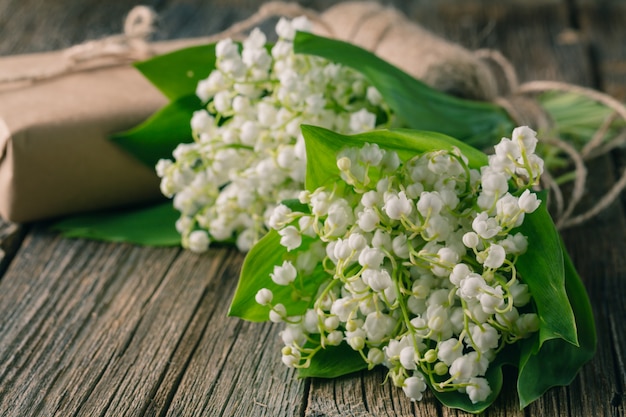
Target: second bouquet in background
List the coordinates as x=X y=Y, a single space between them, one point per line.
x=248 y=152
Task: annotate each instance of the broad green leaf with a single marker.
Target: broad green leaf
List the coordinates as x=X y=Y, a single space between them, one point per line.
x=158 y=136
x=255 y=274
x=177 y=73
x=542 y=269
x=332 y=362
x=322 y=146
x=152 y=226
x=417 y=105
x=557 y=362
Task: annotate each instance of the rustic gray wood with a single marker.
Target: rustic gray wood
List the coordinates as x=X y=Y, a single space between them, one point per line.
x=95 y=329
x=602 y=24
x=11 y=235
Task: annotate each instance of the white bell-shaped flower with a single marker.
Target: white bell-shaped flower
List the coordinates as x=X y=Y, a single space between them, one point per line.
x=414 y=387
x=284 y=274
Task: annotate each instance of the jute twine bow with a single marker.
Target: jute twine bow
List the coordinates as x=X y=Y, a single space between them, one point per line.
x=437 y=65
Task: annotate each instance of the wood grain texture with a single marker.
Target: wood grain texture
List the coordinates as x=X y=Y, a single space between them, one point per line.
x=95 y=329
x=11 y=236
x=601 y=24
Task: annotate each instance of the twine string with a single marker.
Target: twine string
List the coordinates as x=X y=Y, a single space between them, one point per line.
x=121 y=49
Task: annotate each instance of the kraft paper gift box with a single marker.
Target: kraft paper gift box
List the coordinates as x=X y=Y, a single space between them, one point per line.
x=55 y=154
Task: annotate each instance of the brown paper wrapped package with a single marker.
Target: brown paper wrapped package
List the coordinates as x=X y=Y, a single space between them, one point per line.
x=55 y=157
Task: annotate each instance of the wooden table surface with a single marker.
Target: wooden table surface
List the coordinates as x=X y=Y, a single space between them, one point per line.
x=99 y=329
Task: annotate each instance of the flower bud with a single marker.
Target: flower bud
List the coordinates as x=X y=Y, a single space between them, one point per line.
x=371 y=257
x=430 y=356
x=263 y=296
x=198 y=241
x=278 y=313
x=344 y=164
x=441 y=368
x=356 y=342
x=408 y=358
x=375 y=356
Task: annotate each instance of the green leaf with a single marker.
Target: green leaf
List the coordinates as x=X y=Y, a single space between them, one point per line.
x=255 y=274
x=295 y=205
x=417 y=105
x=577 y=117
x=542 y=269
x=557 y=362
x=177 y=74
x=153 y=226
x=322 y=146
x=332 y=362
x=158 y=136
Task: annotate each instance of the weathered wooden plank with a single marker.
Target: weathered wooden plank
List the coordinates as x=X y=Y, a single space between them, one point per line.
x=602 y=24
x=597 y=249
x=247 y=379
x=129 y=383
x=188 y=345
x=365 y=394
x=71 y=310
x=530 y=35
x=235 y=367
x=11 y=236
x=134 y=331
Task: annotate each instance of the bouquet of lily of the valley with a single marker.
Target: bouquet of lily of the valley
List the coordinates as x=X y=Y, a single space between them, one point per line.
x=414 y=251
x=397 y=248
x=248 y=152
